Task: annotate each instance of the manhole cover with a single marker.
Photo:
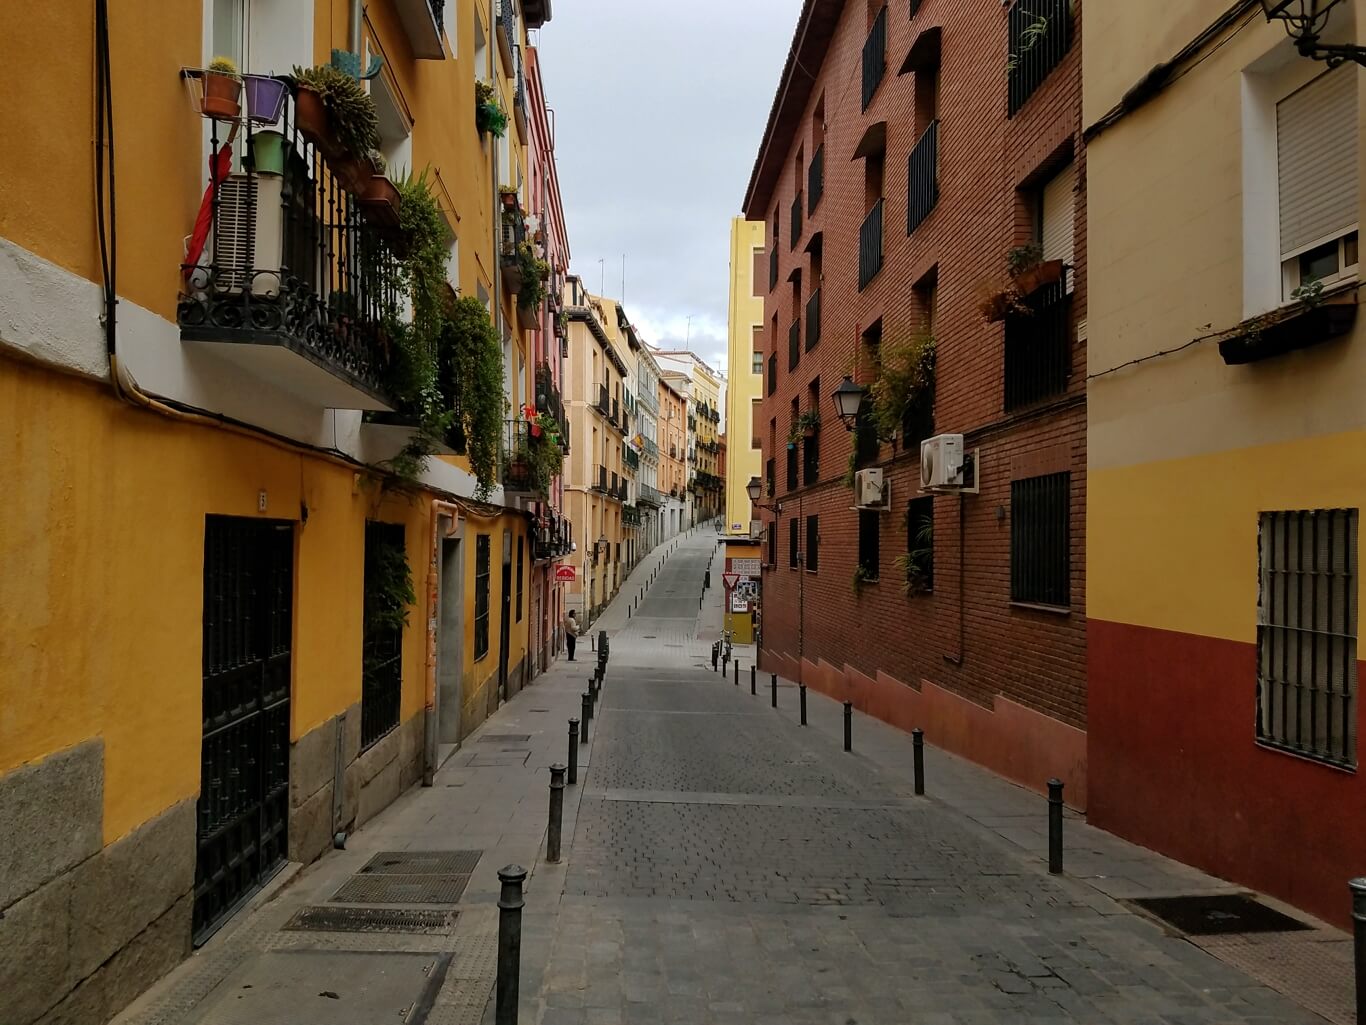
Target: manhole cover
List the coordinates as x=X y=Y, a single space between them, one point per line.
x=423 y=863
x=407 y=920
x=504 y=738
x=1217 y=914
x=397 y=889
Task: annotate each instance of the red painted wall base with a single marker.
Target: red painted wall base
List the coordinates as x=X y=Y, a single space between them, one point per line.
x=1174 y=765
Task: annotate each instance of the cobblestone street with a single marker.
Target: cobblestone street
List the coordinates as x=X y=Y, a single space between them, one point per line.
x=729 y=866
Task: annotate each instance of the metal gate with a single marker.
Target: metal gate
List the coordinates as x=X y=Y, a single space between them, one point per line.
x=244 y=761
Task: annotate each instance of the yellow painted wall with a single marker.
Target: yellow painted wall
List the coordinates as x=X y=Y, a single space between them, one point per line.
x=743 y=386
x=101 y=577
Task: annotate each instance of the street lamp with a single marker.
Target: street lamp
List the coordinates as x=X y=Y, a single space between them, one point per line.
x=848 y=397
x=1305 y=21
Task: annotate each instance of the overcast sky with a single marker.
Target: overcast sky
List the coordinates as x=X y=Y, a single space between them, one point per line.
x=659 y=109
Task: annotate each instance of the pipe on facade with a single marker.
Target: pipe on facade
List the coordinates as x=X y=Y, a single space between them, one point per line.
x=451 y=512
x=355 y=32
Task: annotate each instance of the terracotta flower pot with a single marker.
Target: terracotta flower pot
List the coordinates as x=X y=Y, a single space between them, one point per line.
x=310 y=117
x=222 y=96
x=808 y=432
x=379 y=200
x=1031 y=279
x=353 y=173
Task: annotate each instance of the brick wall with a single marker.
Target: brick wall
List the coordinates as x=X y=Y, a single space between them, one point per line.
x=966 y=637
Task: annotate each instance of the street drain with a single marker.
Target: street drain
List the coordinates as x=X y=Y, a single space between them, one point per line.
x=402 y=889
x=404 y=920
x=650 y=637
x=422 y=863
x=1218 y=914
x=504 y=738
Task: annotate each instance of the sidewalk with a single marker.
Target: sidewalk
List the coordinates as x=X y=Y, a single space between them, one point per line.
x=1312 y=967
x=490 y=799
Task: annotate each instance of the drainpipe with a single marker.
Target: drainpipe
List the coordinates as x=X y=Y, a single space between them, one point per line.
x=355 y=32
x=450 y=512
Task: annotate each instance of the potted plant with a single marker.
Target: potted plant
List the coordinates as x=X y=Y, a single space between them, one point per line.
x=1029 y=270
x=809 y=423
x=352 y=124
x=222 y=90
x=861 y=577
x=489 y=116
x=379 y=198
x=310 y=113
x=508 y=195
x=265 y=98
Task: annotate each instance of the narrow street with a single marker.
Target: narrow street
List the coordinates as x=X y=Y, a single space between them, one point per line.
x=721 y=865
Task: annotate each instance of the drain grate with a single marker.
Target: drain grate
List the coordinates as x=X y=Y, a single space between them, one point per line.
x=504 y=738
x=404 y=920
x=402 y=889
x=422 y=863
x=1218 y=914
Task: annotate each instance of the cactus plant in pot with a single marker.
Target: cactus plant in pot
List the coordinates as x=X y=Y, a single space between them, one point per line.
x=222 y=90
x=350 y=132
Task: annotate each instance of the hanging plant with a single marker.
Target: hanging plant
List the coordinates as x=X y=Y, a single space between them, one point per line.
x=861 y=577
x=489 y=115
x=915 y=564
x=471 y=366
x=388 y=588
x=534 y=271
x=351 y=113
x=905 y=376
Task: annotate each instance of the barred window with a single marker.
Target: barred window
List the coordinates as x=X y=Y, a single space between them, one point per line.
x=481 y=596
x=773 y=544
x=1306 y=633
x=793 y=558
x=1040 y=539
x=813 y=541
x=868 y=542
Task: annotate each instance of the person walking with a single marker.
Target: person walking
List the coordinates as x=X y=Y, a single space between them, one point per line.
x=571 y=632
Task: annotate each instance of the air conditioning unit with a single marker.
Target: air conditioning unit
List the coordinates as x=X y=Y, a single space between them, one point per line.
x=871 y=490
x=249 y=235
x=941 y=462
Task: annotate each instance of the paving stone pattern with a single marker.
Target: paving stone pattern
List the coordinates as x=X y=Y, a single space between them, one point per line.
x=728 y=866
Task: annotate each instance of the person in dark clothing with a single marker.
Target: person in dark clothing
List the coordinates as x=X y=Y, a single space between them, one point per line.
x=571 y=633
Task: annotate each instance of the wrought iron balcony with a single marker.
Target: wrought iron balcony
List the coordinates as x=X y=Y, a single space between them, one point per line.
x=519 y=95
x=512 y=235
x=870 y=245
x=875 y=56
x=295 y=284
x=922 y=178
x=795 y=220
x=815 y=179
x=1038 y=346
x=507 y=30
x=604 y=401
x=518 y=469
x=422 y=22
x=602 y=479
x=794 y=344
x=813 y=320
x=1040 y=34
x=650 y=496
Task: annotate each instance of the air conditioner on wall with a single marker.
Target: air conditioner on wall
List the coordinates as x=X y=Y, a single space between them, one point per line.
x=941 y=462
x=248 y=236
x=872 y=490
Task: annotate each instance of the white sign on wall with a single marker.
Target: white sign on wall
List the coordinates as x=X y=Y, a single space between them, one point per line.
x=745 y=567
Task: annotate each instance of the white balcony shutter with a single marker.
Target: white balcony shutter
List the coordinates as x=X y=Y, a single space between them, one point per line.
x=1059 y=205
x=1316 y=156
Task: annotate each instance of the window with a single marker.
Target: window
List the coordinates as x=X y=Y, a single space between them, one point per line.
x=793 y=553
x=521 y=554
x=813 y=541
x=792 y=478
x=1040 y=540
x=1316 y=158
x=481 y=596
x=1306 y=633
x=920 y=545
x=874 y=56
x=757 y=364
x=1040 y=34
x=865 y=436
x=769 y=476
x=868 y=555
x=773 y=544
x=382 y=640
x=1057 y=215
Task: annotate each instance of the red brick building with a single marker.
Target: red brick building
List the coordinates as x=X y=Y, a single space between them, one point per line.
x=914 y=153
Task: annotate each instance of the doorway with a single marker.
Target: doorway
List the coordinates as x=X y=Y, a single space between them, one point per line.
x=505 y=627
x=243 y=813
x=450 y=656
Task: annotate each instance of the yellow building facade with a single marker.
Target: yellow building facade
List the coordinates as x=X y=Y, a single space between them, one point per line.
x=1226 y=444
x=744 y=372
x=197 y=508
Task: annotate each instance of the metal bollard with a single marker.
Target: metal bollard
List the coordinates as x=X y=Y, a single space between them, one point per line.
x=752 y=670
x=773 y=687
x=918 y=759
x=737 y=673
x=1358 y=888
x=1055 y=826
x=801 y=690
x=552 y=832
x=573 y=751
x=510 y=905
x=849 y=726
x=715 y=654
x=587 y=708
x=583 y=728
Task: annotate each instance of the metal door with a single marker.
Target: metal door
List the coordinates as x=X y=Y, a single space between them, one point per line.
x=505 y=631
x=244 y=761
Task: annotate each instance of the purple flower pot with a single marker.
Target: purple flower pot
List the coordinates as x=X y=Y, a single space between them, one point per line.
x=265 y=98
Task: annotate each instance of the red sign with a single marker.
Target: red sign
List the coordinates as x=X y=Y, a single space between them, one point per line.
x=730 y=579
x=564 y=573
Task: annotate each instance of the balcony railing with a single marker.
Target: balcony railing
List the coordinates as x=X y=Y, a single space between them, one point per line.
x=507 y=29
x=813 y=320
x=604 y=401
x=870 y=245
x=518 y=475
x=794 y=344
x=922 y=178
x=773 y=266
x=422 y=21
x=512 y=235
x=1040 y=36
x=815 y=179
x=772 y=373
x=295 y=282
x=875 y=56
x=519 y=95
x=632 y=459
x=602 y=478
x=1038 y=346
x=795 y=220
x=650 y=496
x=616 y=412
